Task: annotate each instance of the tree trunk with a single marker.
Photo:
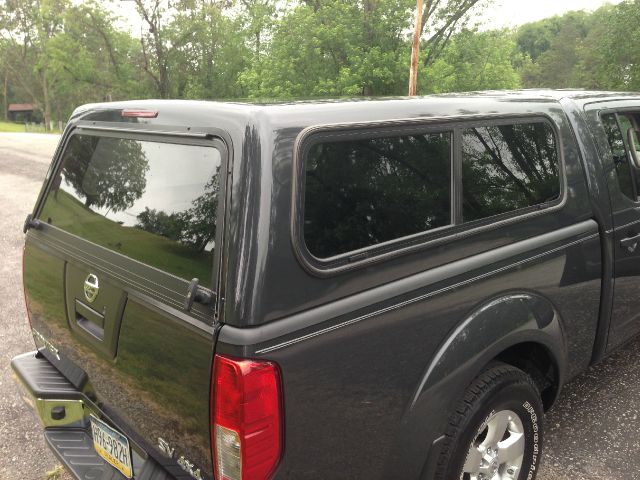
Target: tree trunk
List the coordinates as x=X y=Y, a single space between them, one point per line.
x=5 y=102
x=47 y=102
x=164 y=76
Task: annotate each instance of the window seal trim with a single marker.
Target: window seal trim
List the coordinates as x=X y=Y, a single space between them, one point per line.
x=141 y=131
x=366 y=256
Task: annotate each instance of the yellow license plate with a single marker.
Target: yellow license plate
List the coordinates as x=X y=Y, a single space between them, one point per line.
x=112 y=446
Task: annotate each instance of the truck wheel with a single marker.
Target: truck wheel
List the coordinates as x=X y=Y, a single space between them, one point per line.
x=495 y=432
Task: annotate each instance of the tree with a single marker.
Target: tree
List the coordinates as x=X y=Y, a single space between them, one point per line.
x=441 y=19
x=210 y=49
x=157 y=222
x=535 y=38
x=58 y=54
x=154 y=42
x=332 y=47
x=475 y=61
x=30 y=26
x=557 y=66
x=195 y=227
x=92 y=61
x=107 y=172
x=200 y=219
x=608 y=57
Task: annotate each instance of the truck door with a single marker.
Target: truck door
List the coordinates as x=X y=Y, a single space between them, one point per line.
x=624 y=182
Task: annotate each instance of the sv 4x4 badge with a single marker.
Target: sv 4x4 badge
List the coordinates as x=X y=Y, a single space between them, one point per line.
x=185 y=464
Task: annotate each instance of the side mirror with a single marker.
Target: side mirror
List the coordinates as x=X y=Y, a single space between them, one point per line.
x=632 y=140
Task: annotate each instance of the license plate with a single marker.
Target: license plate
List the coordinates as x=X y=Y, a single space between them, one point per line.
x=112 y=446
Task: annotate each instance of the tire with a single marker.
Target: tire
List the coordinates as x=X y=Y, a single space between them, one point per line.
x=474 y=448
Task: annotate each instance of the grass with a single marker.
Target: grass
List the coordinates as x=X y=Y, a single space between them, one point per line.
x=20 y=128
x=11 y=127
x=55 y=473
x=71 y=215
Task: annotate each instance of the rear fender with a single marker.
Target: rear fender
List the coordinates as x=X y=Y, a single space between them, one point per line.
x=492 y=328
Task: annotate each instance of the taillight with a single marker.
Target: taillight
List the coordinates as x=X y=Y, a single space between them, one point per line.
x=246 y=411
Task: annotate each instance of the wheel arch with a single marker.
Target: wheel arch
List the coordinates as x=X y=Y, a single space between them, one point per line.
x=539 y=363
x=520 y=328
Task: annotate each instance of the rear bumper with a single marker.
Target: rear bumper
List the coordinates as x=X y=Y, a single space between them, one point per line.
x=64 y=413
x=54 y=399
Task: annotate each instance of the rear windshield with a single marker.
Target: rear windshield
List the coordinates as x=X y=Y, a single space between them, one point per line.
x=153 y=202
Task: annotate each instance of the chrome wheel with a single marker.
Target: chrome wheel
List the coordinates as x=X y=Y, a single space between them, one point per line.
x=497 y=451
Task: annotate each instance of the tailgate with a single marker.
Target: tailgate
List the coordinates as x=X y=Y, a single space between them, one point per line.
x=127 y=224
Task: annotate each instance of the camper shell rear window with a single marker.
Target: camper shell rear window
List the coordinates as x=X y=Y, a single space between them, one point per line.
x=152 y=201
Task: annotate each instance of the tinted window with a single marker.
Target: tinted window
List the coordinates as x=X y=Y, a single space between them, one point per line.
x=619 y=152
x=508 y=167
x=154 y=202
x=360 y=193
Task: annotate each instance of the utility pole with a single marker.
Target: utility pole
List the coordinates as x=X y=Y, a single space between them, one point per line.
x=415 y=50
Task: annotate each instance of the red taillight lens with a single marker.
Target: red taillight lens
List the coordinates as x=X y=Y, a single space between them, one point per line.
x=246 y=435
x=139 y=113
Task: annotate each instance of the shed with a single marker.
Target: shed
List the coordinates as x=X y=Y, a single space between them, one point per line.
x=21 y=112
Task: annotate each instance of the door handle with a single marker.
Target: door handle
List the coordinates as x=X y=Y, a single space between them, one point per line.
x=630 y=243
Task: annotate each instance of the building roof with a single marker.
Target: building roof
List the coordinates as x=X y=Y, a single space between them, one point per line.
x=21 y=107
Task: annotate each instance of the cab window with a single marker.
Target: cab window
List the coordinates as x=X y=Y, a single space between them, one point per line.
x=616 y=127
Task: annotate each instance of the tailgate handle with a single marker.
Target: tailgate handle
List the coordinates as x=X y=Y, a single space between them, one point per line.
x=90 y=320
x=630 y=243
x=30 y=223
x=196 y=293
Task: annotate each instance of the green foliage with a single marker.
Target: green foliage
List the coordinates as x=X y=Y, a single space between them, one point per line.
x=583 y=50
x=609 y=57
x=208 y=53
x=535 y=38
x=475 y=61
x=334 y=49
x=91 y=60
x=557 y=66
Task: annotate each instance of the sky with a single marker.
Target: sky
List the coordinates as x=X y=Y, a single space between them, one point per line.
x=510 y=13
x=501 y=13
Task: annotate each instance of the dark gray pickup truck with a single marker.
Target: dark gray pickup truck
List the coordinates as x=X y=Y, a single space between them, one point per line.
x=393 y=288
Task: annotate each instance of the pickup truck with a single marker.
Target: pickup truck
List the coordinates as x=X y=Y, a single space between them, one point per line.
x=376 y=289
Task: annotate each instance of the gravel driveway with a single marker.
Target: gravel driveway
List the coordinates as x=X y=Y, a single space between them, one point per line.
x=593 y=433
x=24 y=159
